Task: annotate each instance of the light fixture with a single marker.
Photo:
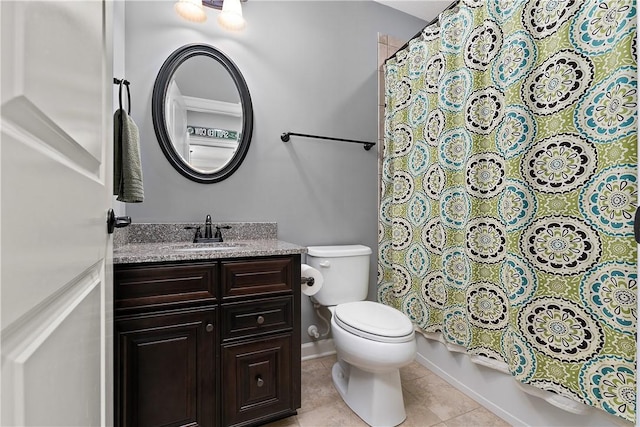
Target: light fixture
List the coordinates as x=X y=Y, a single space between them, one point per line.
x=216 y=4
x=191 y=10
x=231 y=16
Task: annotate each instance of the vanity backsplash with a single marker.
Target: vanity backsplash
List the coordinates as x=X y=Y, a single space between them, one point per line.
x=175 y=232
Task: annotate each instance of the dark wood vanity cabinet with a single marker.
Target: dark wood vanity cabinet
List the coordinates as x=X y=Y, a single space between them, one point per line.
x=165 y=368
x=260 y=332
x=213 y=343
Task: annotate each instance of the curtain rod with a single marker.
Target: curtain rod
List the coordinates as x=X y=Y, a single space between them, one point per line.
x=419 y=33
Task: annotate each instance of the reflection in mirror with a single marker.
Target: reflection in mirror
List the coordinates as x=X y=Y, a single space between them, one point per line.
x=202 y=113
x=204 y=121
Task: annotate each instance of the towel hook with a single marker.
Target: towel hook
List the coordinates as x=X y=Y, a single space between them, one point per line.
x=121 y=82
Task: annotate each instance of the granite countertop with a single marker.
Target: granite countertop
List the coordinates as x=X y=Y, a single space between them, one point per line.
x=134 y=253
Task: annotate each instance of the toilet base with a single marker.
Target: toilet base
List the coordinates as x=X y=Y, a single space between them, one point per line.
x=375 y=398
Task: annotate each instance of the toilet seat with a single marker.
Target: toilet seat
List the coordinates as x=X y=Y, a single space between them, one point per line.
x=374 y=321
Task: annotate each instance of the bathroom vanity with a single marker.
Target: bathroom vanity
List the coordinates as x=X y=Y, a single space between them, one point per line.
x=206 y=336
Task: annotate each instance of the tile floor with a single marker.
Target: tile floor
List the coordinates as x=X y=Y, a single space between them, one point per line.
x=429 y=401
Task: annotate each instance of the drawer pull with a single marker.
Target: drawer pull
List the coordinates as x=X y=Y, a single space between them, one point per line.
x=209 y=327
x=260 y=382
x=260 y=320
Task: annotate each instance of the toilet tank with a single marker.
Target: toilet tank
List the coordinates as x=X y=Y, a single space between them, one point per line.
x=345 y=270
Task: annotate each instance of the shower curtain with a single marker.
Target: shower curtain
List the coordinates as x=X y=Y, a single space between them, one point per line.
x=509 y=186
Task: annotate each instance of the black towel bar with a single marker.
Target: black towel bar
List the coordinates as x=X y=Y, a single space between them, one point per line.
x=285 y=137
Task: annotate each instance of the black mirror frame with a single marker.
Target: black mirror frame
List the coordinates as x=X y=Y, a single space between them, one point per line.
x=160 y=87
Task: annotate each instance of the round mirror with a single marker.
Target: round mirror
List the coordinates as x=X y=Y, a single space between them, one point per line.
x=202 y=113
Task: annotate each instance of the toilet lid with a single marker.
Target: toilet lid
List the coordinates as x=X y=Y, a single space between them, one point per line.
x=374 y=321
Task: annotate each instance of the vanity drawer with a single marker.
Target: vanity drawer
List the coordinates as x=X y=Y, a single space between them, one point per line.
x=164 y=285
x=257 y=317
x=267 y=276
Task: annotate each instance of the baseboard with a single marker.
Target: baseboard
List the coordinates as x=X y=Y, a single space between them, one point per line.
x=320 y=348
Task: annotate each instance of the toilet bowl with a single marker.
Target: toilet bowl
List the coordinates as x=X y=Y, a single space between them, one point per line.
x=373 y=341
x=370 y=354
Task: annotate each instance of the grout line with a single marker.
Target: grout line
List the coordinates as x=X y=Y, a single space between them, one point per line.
x=459 y=415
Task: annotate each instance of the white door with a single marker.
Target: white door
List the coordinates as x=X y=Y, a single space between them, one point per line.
x=55 y=185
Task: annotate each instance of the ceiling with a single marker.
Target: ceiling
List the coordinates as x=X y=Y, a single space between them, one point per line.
x=424 y=9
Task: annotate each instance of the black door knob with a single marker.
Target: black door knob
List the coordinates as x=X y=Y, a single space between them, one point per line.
x=114 y=221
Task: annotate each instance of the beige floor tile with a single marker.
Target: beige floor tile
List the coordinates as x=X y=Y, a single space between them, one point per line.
x=285 y=422
x=418 y=415
x=328 y=361
x=412 y=371
x=428 y=401
x=317 y=388
x=441 y=398
x=480 y=417
x=311 y=364
x=428 y=380
x=336 y=414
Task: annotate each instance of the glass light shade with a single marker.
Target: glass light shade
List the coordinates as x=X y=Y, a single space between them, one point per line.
x=231 y=16
x=191 y=10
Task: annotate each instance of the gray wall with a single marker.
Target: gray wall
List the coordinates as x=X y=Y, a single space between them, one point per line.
x=311 y=68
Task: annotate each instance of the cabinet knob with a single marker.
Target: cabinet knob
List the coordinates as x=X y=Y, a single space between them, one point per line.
x=260 y=382
x=260 y=320
x=209 y=327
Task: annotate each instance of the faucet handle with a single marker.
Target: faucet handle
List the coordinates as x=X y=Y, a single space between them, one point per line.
x=208 y=220
x=198 y=234
x=218 y=234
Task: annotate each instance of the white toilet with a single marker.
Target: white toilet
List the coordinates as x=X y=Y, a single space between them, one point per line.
x=372 y=340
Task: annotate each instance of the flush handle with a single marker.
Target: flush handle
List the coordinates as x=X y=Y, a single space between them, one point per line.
x=325 y=264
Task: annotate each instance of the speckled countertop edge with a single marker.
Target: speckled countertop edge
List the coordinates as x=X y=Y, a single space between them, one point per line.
x=136 y=253
x=176 y=232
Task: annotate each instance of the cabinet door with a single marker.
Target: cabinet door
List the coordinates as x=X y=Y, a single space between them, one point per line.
x=257 y=383
x=165 y=369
